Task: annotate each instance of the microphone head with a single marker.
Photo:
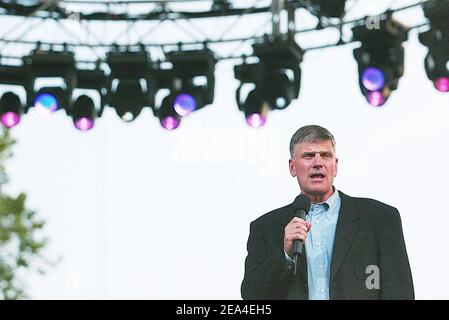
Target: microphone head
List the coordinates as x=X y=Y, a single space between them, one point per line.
x=302 y=202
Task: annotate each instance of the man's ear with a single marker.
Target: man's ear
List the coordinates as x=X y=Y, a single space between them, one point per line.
x=291 y=167
x=336 y=167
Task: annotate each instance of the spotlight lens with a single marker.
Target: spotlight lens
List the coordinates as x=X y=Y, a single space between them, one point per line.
x=442 y=84
x=256 y=120
x=376 y=98
x=10 y=119
x=128 y=117
x=281 y=103
x=373 y=79
x=170 y=123
x=84 y=124
x=46 y=103
x=184 y=104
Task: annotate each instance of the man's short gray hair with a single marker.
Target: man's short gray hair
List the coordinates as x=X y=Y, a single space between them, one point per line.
x=309 y=134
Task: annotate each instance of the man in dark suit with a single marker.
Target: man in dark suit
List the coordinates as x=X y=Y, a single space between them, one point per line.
x=354 y=247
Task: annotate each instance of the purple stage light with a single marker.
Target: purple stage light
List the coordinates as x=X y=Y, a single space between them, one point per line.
x=84 y=123
x=376 y=98
x=373 y=79
x=170 y=123
x=184 y=104
x=10 y=119
x=442 y=84
x=256 y=120
x=45 y=103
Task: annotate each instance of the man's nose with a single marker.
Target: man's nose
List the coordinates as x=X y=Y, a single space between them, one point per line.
x=317 y=161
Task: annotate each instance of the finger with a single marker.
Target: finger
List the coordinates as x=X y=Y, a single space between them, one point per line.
x=297 y=227
x=296 y=220
x=302 y=237
x=296 y=236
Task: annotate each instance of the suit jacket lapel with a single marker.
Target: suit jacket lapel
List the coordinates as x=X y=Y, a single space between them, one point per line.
x=346 y=229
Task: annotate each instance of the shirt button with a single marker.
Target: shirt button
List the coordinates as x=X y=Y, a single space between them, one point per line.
x=322 y=290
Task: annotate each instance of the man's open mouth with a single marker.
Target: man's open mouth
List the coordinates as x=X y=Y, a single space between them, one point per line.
x=317 y=176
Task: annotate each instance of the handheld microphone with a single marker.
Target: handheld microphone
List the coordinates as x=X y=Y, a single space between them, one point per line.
x=301 y=207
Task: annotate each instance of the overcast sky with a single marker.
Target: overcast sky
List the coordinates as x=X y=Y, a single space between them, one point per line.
x=137 y=212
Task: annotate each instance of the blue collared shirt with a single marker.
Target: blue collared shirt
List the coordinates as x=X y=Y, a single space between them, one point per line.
x=319 y=245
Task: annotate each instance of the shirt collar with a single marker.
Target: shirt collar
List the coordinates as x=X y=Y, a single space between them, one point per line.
x=330 y=203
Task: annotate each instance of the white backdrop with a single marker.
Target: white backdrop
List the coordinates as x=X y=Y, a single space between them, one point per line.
x=137 y=212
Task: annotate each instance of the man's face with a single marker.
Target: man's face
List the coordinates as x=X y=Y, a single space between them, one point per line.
x=315 y=166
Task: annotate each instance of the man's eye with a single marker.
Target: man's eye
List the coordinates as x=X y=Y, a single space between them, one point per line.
x=308 y=156
x=326 y=155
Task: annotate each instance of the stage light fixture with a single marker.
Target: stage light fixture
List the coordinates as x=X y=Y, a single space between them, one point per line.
x=59 y=65
x=276 y=79
x=128 y=99
x=84 y=110
x=84 y=113
x=131 y=82
x=380 y=59
x=436 y=39
x=192 y=79
x=11 y=109
x=168 y=117
x=50 y=99
x=256 y=109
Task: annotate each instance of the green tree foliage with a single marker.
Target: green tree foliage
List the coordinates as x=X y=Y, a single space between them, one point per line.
x=20 y=229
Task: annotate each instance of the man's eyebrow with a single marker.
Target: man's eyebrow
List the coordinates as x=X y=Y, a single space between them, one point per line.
x=311 y=153
x=308 y=153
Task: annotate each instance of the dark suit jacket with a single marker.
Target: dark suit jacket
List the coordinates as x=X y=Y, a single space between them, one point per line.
x=368 y=233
